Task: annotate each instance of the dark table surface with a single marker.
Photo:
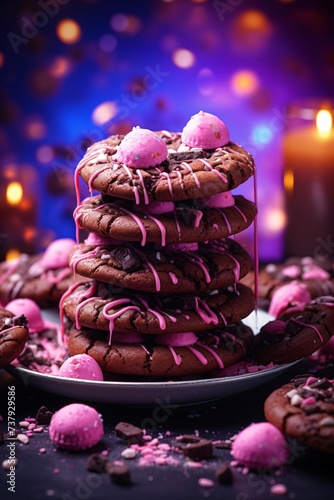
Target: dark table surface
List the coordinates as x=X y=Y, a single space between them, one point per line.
x=56 y=474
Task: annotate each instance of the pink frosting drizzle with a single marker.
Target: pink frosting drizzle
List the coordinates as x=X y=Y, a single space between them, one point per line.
x=241 y=213
x=177 y=357
x=111 y=317
x=204 y=311
x=173 y=278
x=221 y=176
x=198 y=354
x=169 y=181
x=214 y=354
x=135 y=189
x=188 y=167
x=312 y=327
x=53 y=278
x=141 y=178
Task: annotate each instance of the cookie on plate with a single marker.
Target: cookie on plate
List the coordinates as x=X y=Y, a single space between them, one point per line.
x=43 y=278
x=174 y=268
x=97 y=306
x=162 y=355
x=296 y=335
x=13 y=336
x=304 y=410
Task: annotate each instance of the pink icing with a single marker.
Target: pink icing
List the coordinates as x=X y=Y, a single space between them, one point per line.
x=30 y=310
x=81 y=366
x=315 y=273
x=99 y=240
x=292 y=271
x=190 y=170
x=112 y=316
x=205 y=130
x=221 y=176
x=204 y=312
x=294 y=293
x=220 y=200
x=176 y=339
x=156 y=207
x=141 y=148
x=215 y=355
x=312 y=327
x=55 y=256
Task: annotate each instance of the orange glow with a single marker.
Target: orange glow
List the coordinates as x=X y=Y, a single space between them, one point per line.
x=244 y=82
x=34 y=128
x=68 y=31
x=29 y=233
x=324 y=122
x=104 y=112
x=60 y=67
x=274 y=220
x=14 y=193
x=254 y=20
x=183 y=58
x=10 y=172
x=288 y=180
x=12 y=253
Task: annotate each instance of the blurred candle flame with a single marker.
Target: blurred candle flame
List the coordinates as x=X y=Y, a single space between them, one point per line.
x=324 y=122
x=14 y=193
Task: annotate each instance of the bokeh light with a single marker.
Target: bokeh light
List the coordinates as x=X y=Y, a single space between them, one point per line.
x=14 y=193
x=244 y=82
x=2 y=59
x=104 y=112
x=183 y=58
x=12 y=254
x=206 y=81
x=68 y=31
x=108 y=43
x=34 y=128
x=45 y=154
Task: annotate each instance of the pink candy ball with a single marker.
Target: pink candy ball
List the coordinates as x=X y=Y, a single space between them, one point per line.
x=141 y=148
x=205 y=130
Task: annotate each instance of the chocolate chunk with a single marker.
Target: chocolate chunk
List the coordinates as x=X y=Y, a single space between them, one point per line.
x=188 y=438
x=198 y=451
x=224 y=474
x=224 y=444
x=187 y=155
x=43 y=416
x=129 y=433
x=322 y=383
x=118 y=473
x=128 y=259
x=96 y=463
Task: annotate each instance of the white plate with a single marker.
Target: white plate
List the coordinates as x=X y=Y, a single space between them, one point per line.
x=154 y=393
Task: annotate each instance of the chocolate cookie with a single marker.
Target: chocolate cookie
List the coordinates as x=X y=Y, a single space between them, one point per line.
x=304 y=410
x=208 y=352
x=98 y=306
x=42 y=278
x=189 y=221
x=215 y=264
x=317 y=279
x=297 y=335
x=185 y=174
x=13 y=336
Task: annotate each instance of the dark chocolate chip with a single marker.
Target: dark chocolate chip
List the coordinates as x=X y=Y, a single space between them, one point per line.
x=188 y=155
x=43 y=416
x=198 y=451
x=118 y=473
x=322 y=383
x=188 y=438
x=128 y=259
x=96 y=463
x=224 y=474
x=129 y=433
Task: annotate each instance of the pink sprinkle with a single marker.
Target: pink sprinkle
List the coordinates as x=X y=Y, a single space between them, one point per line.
x=278 y=489
x=164 y=446
x=161 y=461
x=194 y=465
x=234 y=463
x=168 y=433
x=308 y=401
x=147 y=437
x=32 y=426
x=135 y=446
x=30 y=420
x=104 y=453
x=205 y=482
x=146 y=451
x=42 y=450
x=38 y=429
x=310 y=381
x=153 y=442
x=56 y=471
x=29 y=434
x=245 y=470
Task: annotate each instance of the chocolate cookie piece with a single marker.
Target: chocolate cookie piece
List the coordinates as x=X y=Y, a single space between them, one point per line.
x=18 y=279
x=215 y=264
x=297 y=335
x=13 y=336
x=95 y=305
x=304 y=410
x=317 y=277
x=185 y=174
x=212 y=351
x=189 y=222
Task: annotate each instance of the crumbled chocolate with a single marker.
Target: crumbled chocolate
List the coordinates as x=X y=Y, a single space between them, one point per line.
x=224 y=474
x=128 y=259
x=181 y=156
x=188 y=438
x=118 y=473
x=322 y=383
x=96 y=463
x=200 y=450
x=224 y=444
x=43 y=416
x=129 y=433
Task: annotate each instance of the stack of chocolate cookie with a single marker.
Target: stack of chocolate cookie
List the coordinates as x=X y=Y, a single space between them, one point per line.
x=163 y=297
